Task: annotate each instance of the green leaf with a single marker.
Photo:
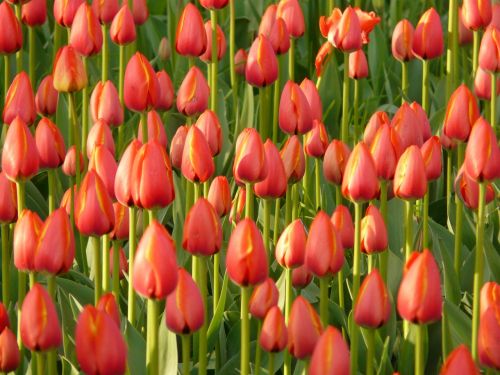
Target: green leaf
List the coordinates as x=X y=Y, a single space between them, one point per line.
x=168 y=350
x=136 y=350
x=215 y=323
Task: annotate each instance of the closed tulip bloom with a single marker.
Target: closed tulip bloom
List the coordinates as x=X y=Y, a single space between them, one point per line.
x=122 y=30
x=291 y=12
x=140 y=11
x=122 y=260
x=263 y=298
x=274 y=335
x=294 y=111
x=488 y=342
x=209 y=125
x=69 y=73
x=432 y=155
x=407 y=125
x=177 y=146
x=467 y=189
x=373 y=231
x=461 y=114
x=316 y=141
x=100 y=135
x=419 y=297
x=219 y=195
x=495 y=19
x=373 y=306
x=344 y=226
x=202 y=233
x=197 y=163
x=86 y=35
x=261 y=67
x=8 y=197
x=105 y=104
x=385 y=150
x=55 y=251
x=476 y=14
x=311 y=93
x=489 y=51
x=184 y=311
x=459 y=361
x=50 y=144
x=423 y=120
x=250 y=158
x=240 y=61
x=402 y=41
x=246 y=259
x=69 y=165
x=156 y=129
x=155 y=265
x=192 y=96
x=19 y=155
x=9 y=351
x=26 y=233
x=293 y=158
x=40 y=329
x=123 y=178
x=94 y=214
x=304 y=329
x=20 y=100
x=65 y=10
x=164 y=50
x=46 y=97
x=11 y=39
x=358 y=65
x=141 y=88
x=482 y=85
x=374 y=123
x=274 y=185
x=291 y=246
x=121 y=229
x=428 y=37
x=274 y=28
x=107 y=304
x=190 y=37
x=100 y=347
x=482 y=155
x=465 y=35
x=345 y=33
x=34 y=13
x=331 y=355
x=104 y=164
x=221 y=43
x=105 y=10
x=360 y=182
x=335 y=161
x=166 y=98
x=151 y=165
x=213 y=4
x=238 y=206
x=490 y=296
x=4 y=318
x=301 y=277
x=66 y=199
x=410 y=178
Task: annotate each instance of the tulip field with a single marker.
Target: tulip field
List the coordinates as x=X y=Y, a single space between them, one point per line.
x=250 y=187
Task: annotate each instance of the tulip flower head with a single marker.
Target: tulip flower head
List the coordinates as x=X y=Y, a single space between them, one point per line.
x=331 y=354
x=291 y=13
x=410 y=178
x=69 y=72
x=46 y=97
x=261 y=67
x=275 y=29
x=11 y=40
x=402 y=41
x=240 y=61
x=335 y=161
x=274 y=185
x=220 y=43
x=373 y=231
x=209 y=125
x=294 y=111
x=8 y=197
x=122 y=30
x=86 y=35
x=489 y=51
x=192 y=96
x=488 y=342
x=141 y=88
x=9 y=351
x=105 y=104
x=304 y=329
x=461 y=114
x=34 y=13
x=344 y=226
x=190 y=38
x=65 y=10
x=250 y=158
x=177 y=146
x=476 y=14
x=26 y=233
x=467 y=189
x=428 y=37
x=291 y=245
x=166 y=99
x=358 y=65
x=123 y=178
x=219 y=195
x=20 y=101
x=105 y=10
x=263 y=298
x=50 y=144
x=197 y=163
x=373 y=306
x=360 y=182
x=459 y=361
x=432 y=155
x=274 y=335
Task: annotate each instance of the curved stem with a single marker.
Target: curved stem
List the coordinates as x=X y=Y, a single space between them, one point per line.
x=5 y=264
x=116 y=271
x=419 y=351
x=132 y=241
x=152 y=337
x=186 y=344
x=404 y=81
x=97 y=269
x=355 y=284
x=345 y=101
x=323 y=300
x=245 y=332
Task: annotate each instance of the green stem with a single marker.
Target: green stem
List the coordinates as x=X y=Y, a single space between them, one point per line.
x=121 y=77
x=371 y=261
x=233 y=77
x=186 y=344
x=245 y=331
x=295 y=201
x=287 y=366
x=31 y=54
x=21 y=276
x=323 y=300
x=105 y=264
x=270 y=363
x=276 y=229
x=144 y=127
x=216 y=284
x=276 y=101
x=475 y=52
x=449 y=179
x=258 y=351
x=152 y=337
x=19 y=54
x=384 y=255
x=51 y=176
x=317 y=170
x=116 y=271
x=425 y=223
x=40 y=362
x=370 y=350
x=459 y=214
x=97 y=269
x=75 y=131
x=105 y=54
x=345 y=100
x=291 y=60
x=425 y=86
x=51 y=354
x=452 y=51
x=249 y=200
x=331 y=4
x=288 y=205
x=6 y=75
x=479 y=266
x=338 y=195
x=57 y=39
x=493 y=105
x=214 y=64
x=202 y=349
x=355 y=283
x=132 y=241
x=263 y=113
x=404 y=81
x=419 y=351
x=357 y=131
x=266 y=226
x=5 y=264
x=408 y=229
x=340 y=280
x=85 y=112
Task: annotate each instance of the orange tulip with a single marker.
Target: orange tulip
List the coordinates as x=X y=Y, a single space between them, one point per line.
x=423 y=120
x=107 y=304
x=219 y=195
x=263 y=298
x=105 y=104
x=122 y=260
x=50 y=144
x=166 y=99
x=240 y=61
x=177 y=146
x=104 y=164
x=140 y=11
x=467 y=189
x=360 y=181
x=122 y=216
x=122 y=30
x=488 y=342
x=402 y=41
x=331 y=355
x=238 y=206
x=335 y=161
x=291 y=245
x=316 y=141
x=459 y=361
x=291 y=13
x=476 y=14
x=461 y=114
x=141 y=88
x=344 y=226
x=11 y=39
x=373 y=306
x=156 y=129
x=274 y=28
x=69 y=165
x=311 y=93
x=410 y=178
x=345 y=32
x=274 y=185
x=293 y=158
x=465 y=36
x=9 y=351
x=250 y=159
x=20 y=101
x=261 y=68
x=192 y=96
x=100 y=135
x=406 y=123
x=69 y=73
x=65 y=10
x=432 y=155
x=304 y=329
x=322 y=57
x=123 y=178
x=197 y=163
x=489 y=51
x=374 y=123
x=273 y=336
x=210 y=127
x=301 y=277
x=8 y=197
x=105 y=10
x=26 y=233
x=86 y=35
x=428 y=36
x=373 y=231
x=482 y=85
x=358 y=65
x=294 y=111
x=46 y=97
x=490 y=296
x=385 y=150
x=220 y=42
x=190 y=37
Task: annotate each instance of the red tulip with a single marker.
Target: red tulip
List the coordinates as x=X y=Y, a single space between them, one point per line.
x=197 y=163
x=65 y=10
x=495 y=19
x=210 y=127
x=293 y=157
x=69 y=72
x=105 y=104
x=374 y=123
x=461 y=114
x=322 y=57
x=105 y=10
x=246 y=259
x=250 y=159
x=140 y=11
x=385 y=150
x=343 y=225
x=294 y=111
x=311 y=93
x=432 y=155
x=331 y=355
x=141 y=88
x=490 y=296
x=4 y=318
x=274 y=28
x=261 y=68
x=185 y=313
x=467 y=190
x=100 y=347
x=49 y=144
x=122 y=259
x=488 y=342
x=69 y=165
x=465 y=36
x=100 y=135
x=220 y=42
x=155 y=265
x=446 y=141
x=177 y=146
x=407 y=125
x=104 y=164
x=482 y=85
x=410 y=178
x=213 y=4
x=274 y=185
x=46 y=97
x=26 y=233
x=373 y=231
x=107 y=304
x=459 y=361
x=335 y=161
x=190 y=37
x=123 y=178
x=8 y=197
x=316 y=141
x=66 y=199
x=11 y=38
x=86 y=35
x=192 y=96
x=373 y=307
x=240 y=62
x=273 y=336
x=423 y=120
x=358 y=65
x=122 y=30
x=489 y=51
x=166 y=99
x=238 y=206
x=301 y=277
x=20 y=100
x=402 y=41
x=9 y=351
x=291 y=12
x=40 y=329
x=219 y=195
x=428 y=36
x=263 y=298
x=367 y=21
x=156 y=129
x=304 y=329
x=360 y=181
x=345 y=32
x=291 y=246
x=121 y=229
x=419 y=297
x=476 y=14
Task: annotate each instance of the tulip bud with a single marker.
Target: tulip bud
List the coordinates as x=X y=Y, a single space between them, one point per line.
x=177 y=146
x=250 y=159
x=202 y=235
x=261 y=68
x=107 y=304
x=246 y=259
x=301 y=277
x=197 y=163
x=335 y=161
x=489 y=51
x=490 y=296
x=122 y=30
x=274 y=185
x=50 y=144
x=410 y=179
x=419 y=296
x=488 y=342
x=406 y=123
x=104 y=164
x=105 y=104
x=423 y=121
x=304 y=329
x=428 y=36
x=446 y=141
x=20 y=158
x=240 y=61
x=8 y=197
x=495 y=19
x=69 y=73
x=432 y=155
x=274 y=28
x=273 y=336
x=105 y=10
x=221 y=43
x=94 y=215
x=465 y=36
x=293 y=158
x=345 y=33
x=467 y=189
x=374 y=123
x=331 y=355
x=11 y=38
x=190 y=37
x=294 y=111
x=459 y=361
x=65 y=10
x=140 y=11
x=291 y=12
x=385 y=150
x=151 y=165
x=482 y=85
x=192 y=96
x=219 y=195
x=263 y=298
x=156 y=129
x=123 y=178
x=291 y=246
x=26 y=233
x=238 y=206
x=373 y=307
x=121 y=229
x=210 y=127
x=95 y=334
x=461 y=114
x=155 y=263
x=86 y=35
x=69 y=165
x=67 y=197
x=166 y=99
x=402 y=41
x=476 y=14
x=213 y=4
x=20 y=100
x=343 y=225
x=40 y=329
x=164 y=50
x=373 y=231
x=311 y=93
x=360 y=181
x=46 y=97
x=185 y=313
x=141 y=88
x=122 y=259
x=316 y=141
x=9 y=351
x=358 y=65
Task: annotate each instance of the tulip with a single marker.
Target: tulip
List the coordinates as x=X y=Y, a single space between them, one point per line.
x=50 y=144
x=65 y=10
x=274 y=185
x=373 y=232
x=100 y=135
x=490 y=296
x=209 y=125
x=123 y=178
x=360 y=181
x=164 y=50
x=335 y=161
x=46 y=97
x=343 y=225
x=121 y=229
x=410 y=180
x=304 y=329
x=69 y=72
x=107 y=304
x=301 y=277
x=122 y=262
x=9 y=351
x=185 y=313
x=367 y=21
x=238 y=206
x=26 y=233
x=202 y=233
x=459 y=361
x=104 y=164
x=293 y=158
x=331 y=354
x=476 y=14
x=166 y=99
x=197 y=163
x=264 y=297
x=407 y=125
x=467 y=189
x=261 y=68
x=489 y=52
x=221 y=43
x=151 y=165
x=86 y=35
x=374 y=123
x=482 y=85
x=495 y=18
x=219 y=195
x=141 y=88
x=461 y=114
x=19 y=155
x=40 y=329
x=192 y=96
x=294 y=111
x=177 y=146
x=344 y=31
x=423 y=120
x=291 y=245
x=273 y=336
x=69 y=165
x=250 y=160
x=105 y=104
x=465 y=36
x=190 y=37
x=8 y=197
x=322 y=57
x=95 y=334
x=155 y=263
x=428 y=37
x=488 y=342
x=240 y=62
x=156 y=129
x=316 y=141
x=274 y=28
x=20 y=101
x=105 y=10
x=4 y=318
x=11 y=40
x=122 y=30
x=431 y=153
x=291 y=13
x=373 y=307
x=358 y=65
x=402 y=41
x=311 y=93
x=213 y=4
x=385 y=150
x=140 y=11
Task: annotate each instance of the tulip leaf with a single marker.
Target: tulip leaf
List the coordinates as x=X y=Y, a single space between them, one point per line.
x=459 y=323
x=168 y=349
x=215 y=323
x=136 y=349
x=35 y=200
x=83 y=294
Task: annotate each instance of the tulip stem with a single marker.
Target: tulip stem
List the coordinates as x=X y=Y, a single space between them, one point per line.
x=419 y=350
x=144 y=127
x=449 y=178
x=97 y=269
x=131 y=255
x=19 y=54
x=202 y=283
x=105 y=53
x=288 y=205
x=186 y=344
x=355 y=284
x=51 y=177
x=6 y=77
x=214 y=63
x=370 y=350
x=152 y=337
x=249 y=200
x=276 y=230
x=85 y=111
x=263 y=113
x=345 y=100
x=287 y=366
x=31 y=54
x=5 y=264
x=51 y=354
x=425 y=86
x=232 y=69
x=121 y=77
x=40 y=362
x=459 y=214
x=258 y=351
x=295 y=201
x=266 y=227
x=408 y=228
x=493 y=105
x=105 y=264
x=21 y=276
x=270 y=363
x=384 y=255
x=57 y=39
x=478 y=268
x=425 y=224
x=245 y=331
x=404 y=81
x=291 y=59
x=276 y=101
x=357 y=129
x=317 y=169
x=116 y=271
x=452 y=50
x=475 y=52
x=76 y=139
x=323 y=299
